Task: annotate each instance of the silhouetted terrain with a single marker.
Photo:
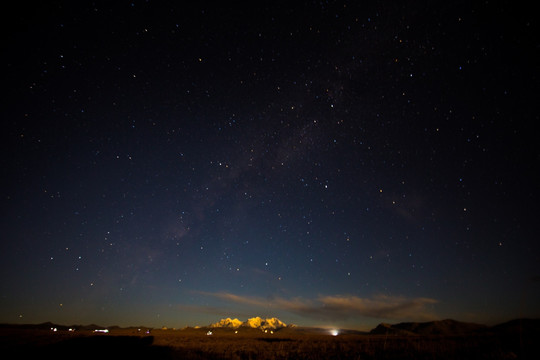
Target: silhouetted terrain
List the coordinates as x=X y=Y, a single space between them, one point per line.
x=447 y=339
x=443 y=327
x=95 y=347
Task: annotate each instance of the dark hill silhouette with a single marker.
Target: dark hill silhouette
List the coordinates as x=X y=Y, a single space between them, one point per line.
x=441 y=327
x=531 y=327
x=50 y=325
x=388 y=329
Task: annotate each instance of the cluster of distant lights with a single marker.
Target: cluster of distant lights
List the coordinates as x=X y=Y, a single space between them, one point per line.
x=104 y=331
x=53 y=329
x=333 y=332
x=210 y=333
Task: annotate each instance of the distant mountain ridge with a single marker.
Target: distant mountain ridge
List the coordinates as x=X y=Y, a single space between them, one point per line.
x=447 y=327
x=440 y=327
x=49 y=325
x=227 y=323
x=255 y=323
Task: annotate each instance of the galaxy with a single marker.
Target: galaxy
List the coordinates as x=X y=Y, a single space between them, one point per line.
x=329 y=163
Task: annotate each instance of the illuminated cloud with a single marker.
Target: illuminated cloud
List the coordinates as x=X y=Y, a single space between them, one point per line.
x=381 y=306
x=342 y=307
x=246 y=300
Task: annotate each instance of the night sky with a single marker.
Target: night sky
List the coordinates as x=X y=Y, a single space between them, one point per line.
x=326 y=163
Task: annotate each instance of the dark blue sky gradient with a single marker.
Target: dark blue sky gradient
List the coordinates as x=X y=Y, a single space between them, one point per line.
x=328 y=163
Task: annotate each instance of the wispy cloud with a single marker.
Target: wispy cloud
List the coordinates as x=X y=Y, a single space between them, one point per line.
x=381 y=306
x=340 y=307
x=245 y=300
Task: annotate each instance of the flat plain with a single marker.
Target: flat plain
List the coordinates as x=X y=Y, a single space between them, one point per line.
x=192 y=343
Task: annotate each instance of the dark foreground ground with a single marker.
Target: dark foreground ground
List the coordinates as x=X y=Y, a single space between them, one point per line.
x=195 y=344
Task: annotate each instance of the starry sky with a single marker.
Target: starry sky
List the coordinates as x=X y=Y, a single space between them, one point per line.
x=330 y=163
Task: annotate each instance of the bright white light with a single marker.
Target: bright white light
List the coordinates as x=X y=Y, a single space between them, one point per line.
x=334 y=332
